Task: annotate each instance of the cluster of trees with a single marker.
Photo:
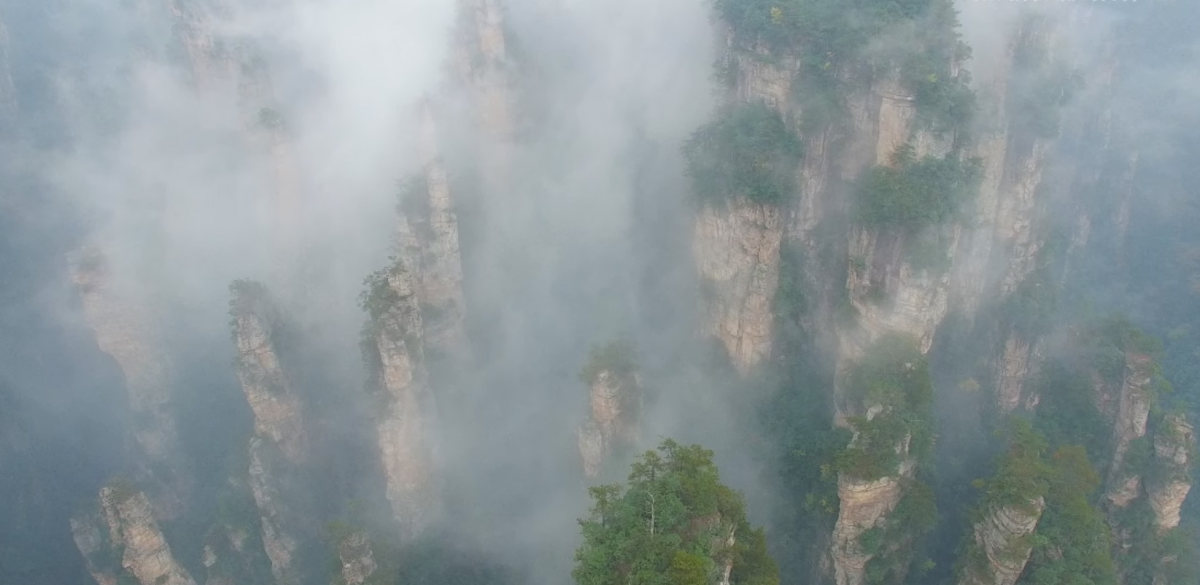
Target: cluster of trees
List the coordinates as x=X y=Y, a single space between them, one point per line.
x=748 y=151
x=913 y=194
x=673 y=524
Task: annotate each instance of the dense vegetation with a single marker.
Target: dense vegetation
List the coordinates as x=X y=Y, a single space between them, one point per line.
x=891 y=381
x=747 y=151
x=913 y=194
x=673 y=524
x=833 y=36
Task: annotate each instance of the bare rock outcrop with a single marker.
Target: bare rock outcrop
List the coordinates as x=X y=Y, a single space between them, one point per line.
x=1003 y=544
x=123 y=324
x=278 y=449
x=123 y=539
x=736 y=248
x=429 y=248
x=357 y=558
x=278 y=412
x=1173 y=445
x=1017 y=365
x=405 y=402
x=889 y=294
x=615 y=397
x=1132 y=406
x=864 y=504
x=483 y=65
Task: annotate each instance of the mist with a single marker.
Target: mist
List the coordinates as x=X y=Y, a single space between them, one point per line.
x=154 y=153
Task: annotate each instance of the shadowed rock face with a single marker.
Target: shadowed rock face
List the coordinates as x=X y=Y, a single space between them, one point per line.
x=736 y=247
x=405 y=403
x=1002 y=537
x=123 y=538
x=1172 y=450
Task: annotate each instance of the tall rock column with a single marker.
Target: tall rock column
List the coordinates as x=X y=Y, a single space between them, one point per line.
x=395 y=353
x=278 y=448
x=123 y=539
x=615 y=400
x=429 y=248
x=1132 y=411
x=1174 y=442
x=123 y=326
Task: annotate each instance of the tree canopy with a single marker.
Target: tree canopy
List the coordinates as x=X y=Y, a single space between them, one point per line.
x=674 y=523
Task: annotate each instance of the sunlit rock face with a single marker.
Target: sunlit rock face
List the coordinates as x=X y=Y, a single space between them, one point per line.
x=736 y=247
x=404 y=401
x=123 y=539
x=429 y=248
x=1002 y=537
x=1173 y=444
x=614 y=424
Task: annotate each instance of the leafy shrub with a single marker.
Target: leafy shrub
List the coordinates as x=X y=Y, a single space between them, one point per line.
x=915 y=194
x=747 y=152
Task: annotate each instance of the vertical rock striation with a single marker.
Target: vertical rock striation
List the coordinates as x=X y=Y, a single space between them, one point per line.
x=395 y=353
x=1131 y=411
x=736 y=248
x=123 y=539
x=277 y=450
x=1003 y=544
x=483 y=65
x=429 y=248
x=1173 y=445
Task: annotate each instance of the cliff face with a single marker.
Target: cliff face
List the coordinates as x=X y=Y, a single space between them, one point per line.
x=357 y=558
x=405 y=401
x=1133 y=404
x=428 y=238
x=736 y=247
x=124 y=539
x=863 y=505
x=278 y=448
x=482 y=60
x=123 y=326
x=1016 y=365
x=1173 y=444
x=1003 y=540
x=615 y=400
x=278 y=413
